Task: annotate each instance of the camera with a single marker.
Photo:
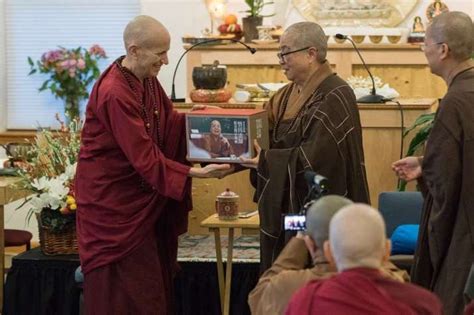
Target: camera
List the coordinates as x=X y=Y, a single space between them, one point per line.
x=318 y=186
x=295 y=222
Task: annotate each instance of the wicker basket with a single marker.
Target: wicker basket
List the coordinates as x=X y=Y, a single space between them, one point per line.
x=57 y=243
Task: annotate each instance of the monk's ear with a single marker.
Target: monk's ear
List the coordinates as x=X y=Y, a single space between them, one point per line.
x=132 y=51
x=310 y=245
x=313 y=53
x=444 y=51
x=388 y=250
x=328 y=253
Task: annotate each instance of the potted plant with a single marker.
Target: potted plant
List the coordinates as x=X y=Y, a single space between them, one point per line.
x=69 y=72
x=254 y=18
x=49 y=174
x=423 y=124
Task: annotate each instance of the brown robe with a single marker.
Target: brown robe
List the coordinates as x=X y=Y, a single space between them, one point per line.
x=217 y=146
x=446 y=242
x=319 y=130
x=133 y=194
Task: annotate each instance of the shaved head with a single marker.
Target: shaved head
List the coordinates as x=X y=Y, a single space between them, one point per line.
x=357 y=237
x=320 y=214
x=308 y=34
x=144 y=31
x=456 y=30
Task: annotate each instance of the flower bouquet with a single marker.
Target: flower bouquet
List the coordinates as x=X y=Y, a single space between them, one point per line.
x=49 y=173
x=71 y=71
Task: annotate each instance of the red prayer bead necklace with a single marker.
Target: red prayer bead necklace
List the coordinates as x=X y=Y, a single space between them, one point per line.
x=146 y=119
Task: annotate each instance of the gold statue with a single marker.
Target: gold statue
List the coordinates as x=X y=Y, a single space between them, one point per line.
x=418 y=25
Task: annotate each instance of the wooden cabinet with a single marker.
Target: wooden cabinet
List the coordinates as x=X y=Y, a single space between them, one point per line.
x=403 y=66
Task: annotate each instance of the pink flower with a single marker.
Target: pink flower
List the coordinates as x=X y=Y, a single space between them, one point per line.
x=81 y=64
x=68 y=64
x=97 y=50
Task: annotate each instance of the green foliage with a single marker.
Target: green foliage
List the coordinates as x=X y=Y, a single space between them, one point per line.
x=424 y=124
x=56 y=221
x=256 y=7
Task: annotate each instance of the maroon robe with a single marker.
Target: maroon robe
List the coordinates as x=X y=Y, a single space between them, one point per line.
x=130 y=185
x=362 y=291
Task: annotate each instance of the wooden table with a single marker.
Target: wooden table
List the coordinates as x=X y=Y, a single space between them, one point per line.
x=7 y=195
x=214 y=224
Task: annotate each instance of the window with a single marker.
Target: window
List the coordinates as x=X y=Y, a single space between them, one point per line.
x=34 y=27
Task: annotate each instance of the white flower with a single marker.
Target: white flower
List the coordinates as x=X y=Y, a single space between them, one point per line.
x=38 y=204
x=70 y=171
x=57 y=188
x=40 y=184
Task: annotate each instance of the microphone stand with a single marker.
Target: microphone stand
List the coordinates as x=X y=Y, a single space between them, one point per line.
x=373 y=97
x=173 y=92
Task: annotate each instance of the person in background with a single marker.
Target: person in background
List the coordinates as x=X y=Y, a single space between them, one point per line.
x=357 y=247
x=215 y=143
x=133 y=181
x=302 y=260
x=445 y=173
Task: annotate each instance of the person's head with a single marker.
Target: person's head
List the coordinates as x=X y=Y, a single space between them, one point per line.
x=357 y=238
x=215 y=127
x=449 y=41
x=318 y=217
x=417 y=19
x=147 y=43
x=303 y=48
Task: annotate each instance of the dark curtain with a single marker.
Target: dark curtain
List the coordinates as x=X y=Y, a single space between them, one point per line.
x=45 y=285
x=40 y=284
x=197 y=289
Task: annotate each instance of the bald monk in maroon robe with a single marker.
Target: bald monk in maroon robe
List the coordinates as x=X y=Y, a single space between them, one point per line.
x=445 y=173
x=357 y=247
x=133 y=181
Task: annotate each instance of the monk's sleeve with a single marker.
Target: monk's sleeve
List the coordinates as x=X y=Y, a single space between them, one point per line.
x=293 y=257
x=127 y=126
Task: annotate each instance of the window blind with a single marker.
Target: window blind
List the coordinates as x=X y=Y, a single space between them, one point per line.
x=36 y=26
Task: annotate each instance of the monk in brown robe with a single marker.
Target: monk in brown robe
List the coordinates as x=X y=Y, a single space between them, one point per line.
x=215 y=143
x=302 y=260
x=357 y=247
x=445 y=249
x=314 y=126
x=133 y=181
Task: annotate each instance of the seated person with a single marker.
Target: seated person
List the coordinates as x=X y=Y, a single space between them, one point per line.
x=357 y=246
x=215 y=143
x=302 y=260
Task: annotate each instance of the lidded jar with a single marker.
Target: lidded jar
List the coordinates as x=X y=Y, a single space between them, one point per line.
x=227 y=205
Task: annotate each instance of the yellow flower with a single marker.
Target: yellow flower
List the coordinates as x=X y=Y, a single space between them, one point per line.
x=70 y=200
x=73 y=206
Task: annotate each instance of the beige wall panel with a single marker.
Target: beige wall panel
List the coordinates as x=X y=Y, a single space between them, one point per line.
x=411 y=81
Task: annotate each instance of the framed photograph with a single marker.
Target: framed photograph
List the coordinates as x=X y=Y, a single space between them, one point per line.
x=225 y=135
